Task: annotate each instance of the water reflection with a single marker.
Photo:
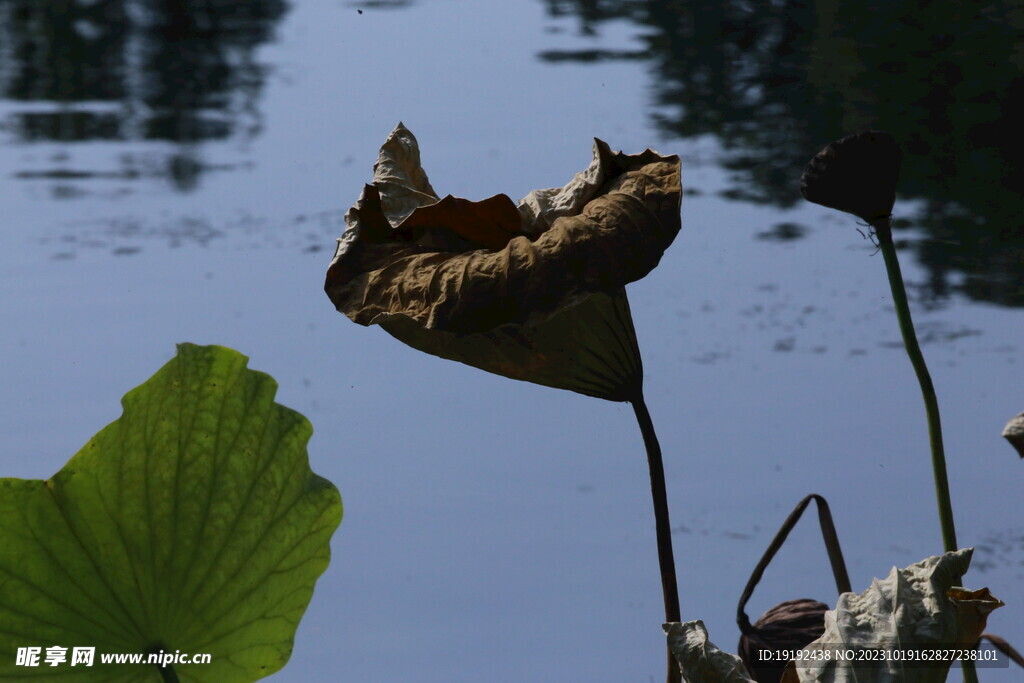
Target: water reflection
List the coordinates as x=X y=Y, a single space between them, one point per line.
x=381 y=4
x=775 y=81
x=176 y=71
x=125 y=235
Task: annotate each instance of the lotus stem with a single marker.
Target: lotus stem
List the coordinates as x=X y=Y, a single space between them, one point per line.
x=931 y=403
x=168 y=674
x=666 y=559
x=883 y=229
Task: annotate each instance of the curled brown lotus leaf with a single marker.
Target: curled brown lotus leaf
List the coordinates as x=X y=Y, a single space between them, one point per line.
x=533 y=292
x=972 y=610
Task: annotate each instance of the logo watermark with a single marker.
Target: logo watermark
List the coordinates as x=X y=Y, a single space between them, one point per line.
x=57 y=655
x=886 y=655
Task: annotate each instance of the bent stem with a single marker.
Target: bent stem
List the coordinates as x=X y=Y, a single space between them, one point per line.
x=931 y=403
x=666 y=559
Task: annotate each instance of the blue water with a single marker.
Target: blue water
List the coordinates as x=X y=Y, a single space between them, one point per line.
x=496 y=530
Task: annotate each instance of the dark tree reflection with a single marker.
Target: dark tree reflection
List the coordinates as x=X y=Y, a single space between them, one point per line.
x=180 y=71
x=776 y=80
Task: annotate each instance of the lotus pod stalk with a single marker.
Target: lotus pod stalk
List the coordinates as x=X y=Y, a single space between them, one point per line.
x=858 y=174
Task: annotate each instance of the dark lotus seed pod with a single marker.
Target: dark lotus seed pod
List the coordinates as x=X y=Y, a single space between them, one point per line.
x=856 y=174
x=790 y=625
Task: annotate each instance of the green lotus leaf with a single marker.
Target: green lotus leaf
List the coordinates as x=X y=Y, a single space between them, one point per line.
x=191 y=525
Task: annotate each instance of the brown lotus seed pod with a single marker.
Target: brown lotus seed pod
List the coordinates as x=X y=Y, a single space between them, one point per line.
x=856 y=174
x=790 y=625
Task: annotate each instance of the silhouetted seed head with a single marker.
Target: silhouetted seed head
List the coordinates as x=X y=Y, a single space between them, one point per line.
x=791 y=625
x=856 y=174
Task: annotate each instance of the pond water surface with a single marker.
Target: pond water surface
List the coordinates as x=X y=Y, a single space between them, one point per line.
x=176 y=174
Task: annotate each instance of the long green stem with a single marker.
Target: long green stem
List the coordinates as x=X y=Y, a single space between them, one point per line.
x=666 y=559
x=168 y=674
x=931 y=402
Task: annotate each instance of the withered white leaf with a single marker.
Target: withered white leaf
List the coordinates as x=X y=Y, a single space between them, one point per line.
x=700 y=660
x=919 y=606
